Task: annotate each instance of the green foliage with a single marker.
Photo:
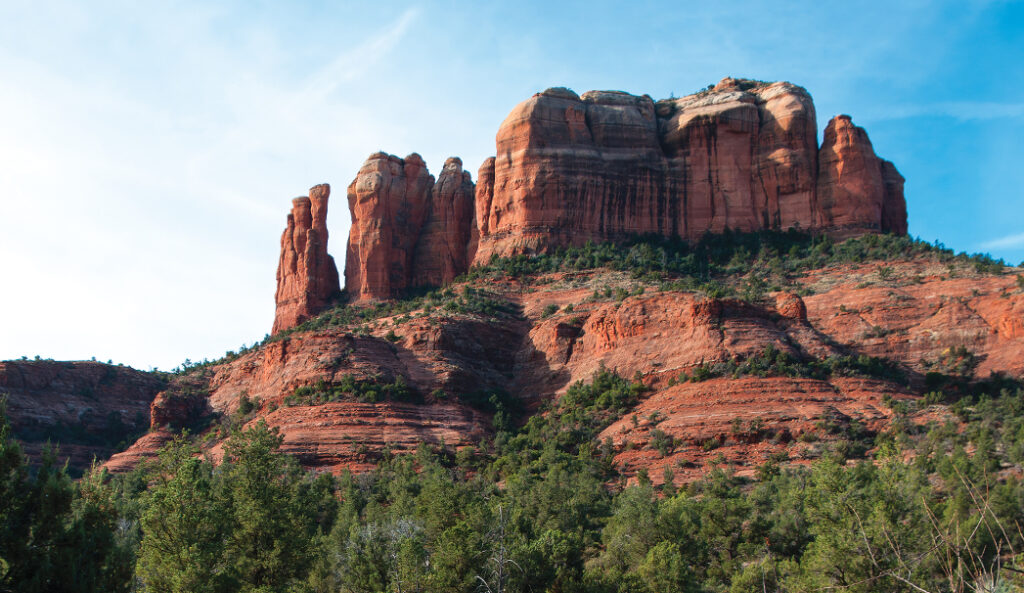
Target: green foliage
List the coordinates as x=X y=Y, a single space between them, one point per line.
x=767 y=258
x=661 y=442
x=249 y=525
x=540 y=507
x=363 y=390
x=56 y=535
x=468 y=301
x=773 y=362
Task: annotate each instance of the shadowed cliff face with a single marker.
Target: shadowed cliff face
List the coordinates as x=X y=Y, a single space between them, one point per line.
x=608 y=165
x=86 y=409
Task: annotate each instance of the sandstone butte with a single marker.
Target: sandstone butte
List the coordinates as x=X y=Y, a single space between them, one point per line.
x=608 y=165
x=603 y=166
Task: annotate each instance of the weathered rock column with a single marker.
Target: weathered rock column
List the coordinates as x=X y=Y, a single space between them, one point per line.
x=307 y=279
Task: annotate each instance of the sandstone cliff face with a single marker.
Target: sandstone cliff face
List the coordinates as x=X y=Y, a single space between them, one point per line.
x=307 y=279
x=743 y=155
x=88 y=409
x=608 y=165
x=388 y=204
x=443 y=249
x=857 y=191
x=407 y=231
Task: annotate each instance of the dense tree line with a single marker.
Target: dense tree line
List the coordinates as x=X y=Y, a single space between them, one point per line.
x=540 y=507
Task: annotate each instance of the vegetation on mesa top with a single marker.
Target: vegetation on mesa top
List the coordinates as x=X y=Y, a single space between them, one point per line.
x=772 y=362
x=770 y=257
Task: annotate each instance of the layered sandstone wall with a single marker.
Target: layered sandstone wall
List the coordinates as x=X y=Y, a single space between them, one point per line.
x=743 y=155
x=85 y=409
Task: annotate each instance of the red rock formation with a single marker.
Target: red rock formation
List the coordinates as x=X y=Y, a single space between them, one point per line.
x=442 y=250
x=913 y=318
x=482 y=205
x=608 y=165
x=894 y=206
x=388 y=201
x=307 y=279
x=743 y=155
x=351 y=435
x=572 y=169
x=791 y=306
x=407 y=231
x=857 y=191
x=459 y=356
x=724 y=412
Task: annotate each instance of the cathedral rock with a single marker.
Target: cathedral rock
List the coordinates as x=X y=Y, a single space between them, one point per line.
x=602 y=166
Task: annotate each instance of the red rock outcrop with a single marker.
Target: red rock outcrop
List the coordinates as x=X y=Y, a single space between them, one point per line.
x=857 y=191
x=88 y=409
x=407 y=231
x=460 y=356
x=743 y=422
x=388 y=201
x=608 y=165
x=894 y=206
x=307 y=278
x=743 y=155
x=443 y=250
x=914 y=315
x=791 y=306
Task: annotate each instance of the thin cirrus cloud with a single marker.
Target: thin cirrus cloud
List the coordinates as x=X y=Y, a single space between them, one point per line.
x=1007 y=242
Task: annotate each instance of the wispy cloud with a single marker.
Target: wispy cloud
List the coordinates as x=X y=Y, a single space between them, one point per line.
x=1007 y=242
x=958 y=110
x=352 y=64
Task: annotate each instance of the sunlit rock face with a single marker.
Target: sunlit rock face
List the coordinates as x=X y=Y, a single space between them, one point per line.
x=307 y=279
x=408 y=230
x=605 y=166
x=742 y=155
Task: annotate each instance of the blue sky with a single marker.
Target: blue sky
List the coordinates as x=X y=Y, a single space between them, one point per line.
x=148 y=154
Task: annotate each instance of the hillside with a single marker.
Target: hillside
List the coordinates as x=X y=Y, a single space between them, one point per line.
x=738 y=366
